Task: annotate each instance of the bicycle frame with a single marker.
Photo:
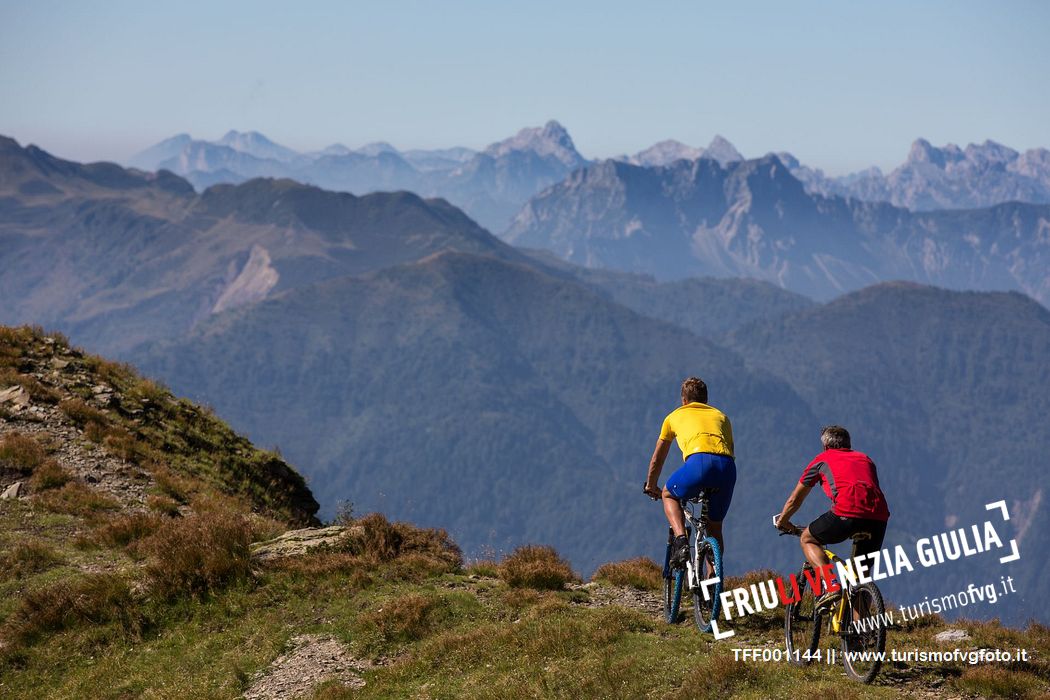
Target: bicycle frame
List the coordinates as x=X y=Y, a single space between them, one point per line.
x=694 y=515
x=699 y=522
x=847 y=588
x=847 y=592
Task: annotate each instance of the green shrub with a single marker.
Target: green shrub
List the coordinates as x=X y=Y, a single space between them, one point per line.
x=536 y=566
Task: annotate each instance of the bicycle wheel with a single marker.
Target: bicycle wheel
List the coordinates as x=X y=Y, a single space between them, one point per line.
x=863 y=644
x=801 y=625
x=708 y=558
x=673 y=595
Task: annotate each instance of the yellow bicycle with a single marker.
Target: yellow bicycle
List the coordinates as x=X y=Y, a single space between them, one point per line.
x=857 y=617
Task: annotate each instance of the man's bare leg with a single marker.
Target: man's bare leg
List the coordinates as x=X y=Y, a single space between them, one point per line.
x=673 y=511
x=813 y=550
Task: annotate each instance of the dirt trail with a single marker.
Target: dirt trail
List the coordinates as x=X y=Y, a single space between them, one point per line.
x=311 y=660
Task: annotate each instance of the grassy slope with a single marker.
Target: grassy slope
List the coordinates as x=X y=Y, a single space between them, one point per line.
x=447 y=635
x=174 y=607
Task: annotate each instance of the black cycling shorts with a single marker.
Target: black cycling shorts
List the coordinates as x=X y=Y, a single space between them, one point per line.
x=867 y=534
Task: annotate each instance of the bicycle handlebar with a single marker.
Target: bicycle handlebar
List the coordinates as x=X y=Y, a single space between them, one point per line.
x=797 y=532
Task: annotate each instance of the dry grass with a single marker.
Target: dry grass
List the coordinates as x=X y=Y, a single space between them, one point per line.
x=383 y=541
x=484 y=567
x=94 y=600
x=718 y=675
x=21 y=452
x=162 y=505
x=641 y=573
x=126 y=529
x=536 y=566
x=411 y=617
x=77 y=499
x=82 y=413
x=198 y=555
x=170 y=484
x=26 y=558
x=355 y=571
x=49 y=475
x=998 y=682
x=121 y=444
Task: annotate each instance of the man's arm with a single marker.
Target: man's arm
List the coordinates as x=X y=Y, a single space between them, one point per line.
x=656 y=465
x=791 y=506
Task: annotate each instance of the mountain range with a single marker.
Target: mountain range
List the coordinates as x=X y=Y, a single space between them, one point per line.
x=493 y=184
x=407 y=360
x=755 y=219
x=949 y=177
x=133 y=257
x=490 y=185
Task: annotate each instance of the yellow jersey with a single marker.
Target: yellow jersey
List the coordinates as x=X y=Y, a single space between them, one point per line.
x=699 y=428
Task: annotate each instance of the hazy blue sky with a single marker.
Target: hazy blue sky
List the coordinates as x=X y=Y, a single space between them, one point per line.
x=840 y=84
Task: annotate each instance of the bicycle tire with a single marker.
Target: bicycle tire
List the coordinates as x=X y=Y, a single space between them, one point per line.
x=704 y=611
x=801 y=624
x=853 y=641
x=673 y=595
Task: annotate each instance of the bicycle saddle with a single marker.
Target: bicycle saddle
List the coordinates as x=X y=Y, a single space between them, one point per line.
x=704 y=493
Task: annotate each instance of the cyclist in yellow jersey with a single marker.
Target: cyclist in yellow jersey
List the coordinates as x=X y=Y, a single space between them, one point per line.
x=705 y=437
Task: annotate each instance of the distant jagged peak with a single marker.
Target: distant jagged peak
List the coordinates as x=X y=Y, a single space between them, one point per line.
x=722 y=150
x=922 y=151
x=256 y=144
x=551 y=139
x=789 y=160
x=989 y=152
x=664 y=153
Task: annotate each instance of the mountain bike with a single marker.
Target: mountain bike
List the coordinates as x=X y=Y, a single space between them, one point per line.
x=862 y=645
x=705 y=563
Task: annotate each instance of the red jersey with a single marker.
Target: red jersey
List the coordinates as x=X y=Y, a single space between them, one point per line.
x=851 y=482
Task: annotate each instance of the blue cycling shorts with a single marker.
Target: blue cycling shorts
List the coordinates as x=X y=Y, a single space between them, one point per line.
x=703 y=470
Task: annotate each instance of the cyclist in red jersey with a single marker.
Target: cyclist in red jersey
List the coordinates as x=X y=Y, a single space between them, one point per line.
x=858 y=510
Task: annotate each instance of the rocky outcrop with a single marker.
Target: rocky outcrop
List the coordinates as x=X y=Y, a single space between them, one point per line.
x=299 y=542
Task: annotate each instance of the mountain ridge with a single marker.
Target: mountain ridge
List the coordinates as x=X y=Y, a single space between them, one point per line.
x=755 y=219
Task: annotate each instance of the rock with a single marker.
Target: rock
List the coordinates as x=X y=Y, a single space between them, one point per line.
x=296 y=542
x=952 y=635
x=58 y=363
x=15 y=395
x=13 y=491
